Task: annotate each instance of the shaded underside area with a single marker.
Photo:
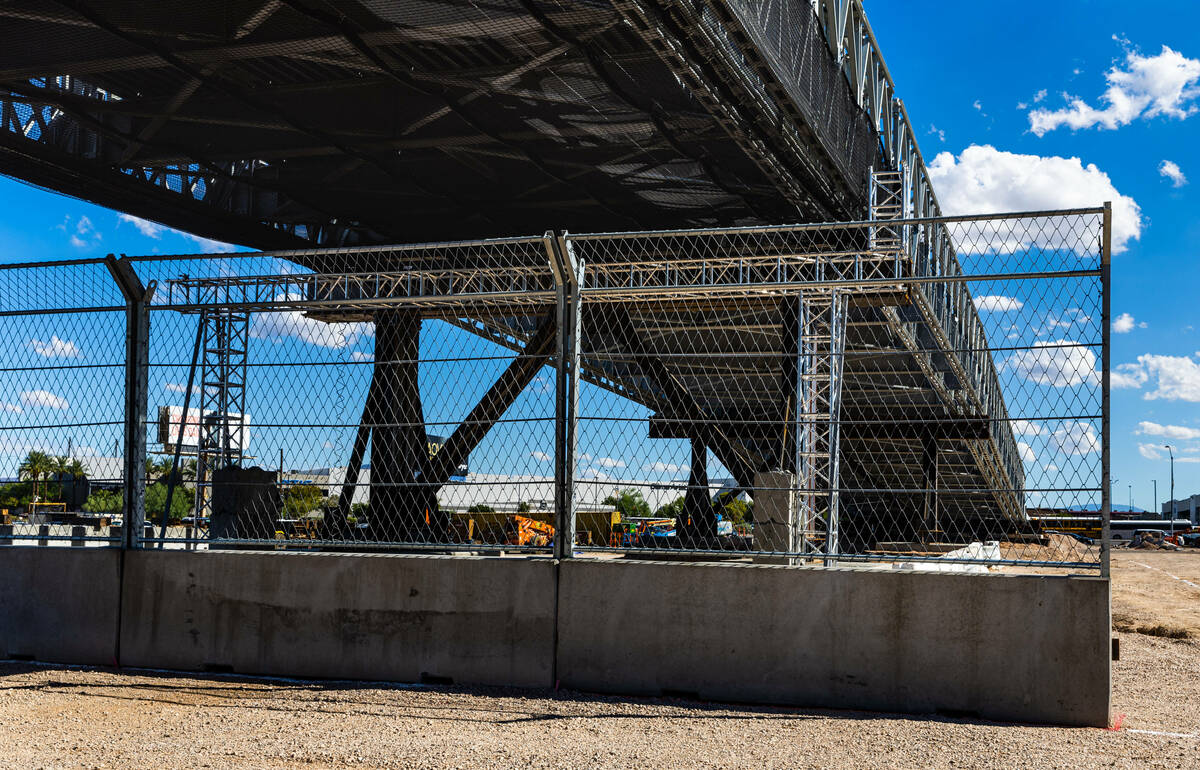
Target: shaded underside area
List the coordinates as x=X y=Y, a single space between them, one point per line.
x=268 y=123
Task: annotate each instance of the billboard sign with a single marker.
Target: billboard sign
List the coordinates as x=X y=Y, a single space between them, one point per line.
x=171 y=423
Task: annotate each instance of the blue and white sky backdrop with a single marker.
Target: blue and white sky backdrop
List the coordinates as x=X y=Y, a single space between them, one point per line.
x=1053 y=105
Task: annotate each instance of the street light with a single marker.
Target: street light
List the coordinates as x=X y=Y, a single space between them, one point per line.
x=1171 y=450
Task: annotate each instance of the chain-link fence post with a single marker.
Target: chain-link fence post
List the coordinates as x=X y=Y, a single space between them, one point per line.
x=568 y=279
x=137 y=347
x=1105 y=341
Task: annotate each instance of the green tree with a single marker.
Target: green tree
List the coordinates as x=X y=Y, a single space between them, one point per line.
x=103 y=501
x=300 y=499
x=156 y=501
x=34 y=467
x=523 y=507
x=738 y=511
x=74 y=468
x=629 y=503
x=481 y=508
x=671 y=510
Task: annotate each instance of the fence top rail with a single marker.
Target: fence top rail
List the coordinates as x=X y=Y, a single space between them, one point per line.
x=855 y=224
x=291 y=254
x=53 y=263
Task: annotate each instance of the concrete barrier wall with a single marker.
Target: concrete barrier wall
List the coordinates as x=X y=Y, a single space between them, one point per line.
x=401 y=618
x=60 y=604
x=1012 y=648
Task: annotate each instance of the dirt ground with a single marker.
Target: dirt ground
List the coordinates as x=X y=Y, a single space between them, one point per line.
x=1157 y=592
x=60 y=717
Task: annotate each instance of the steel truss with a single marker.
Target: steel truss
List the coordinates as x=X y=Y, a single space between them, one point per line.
x=885 y=266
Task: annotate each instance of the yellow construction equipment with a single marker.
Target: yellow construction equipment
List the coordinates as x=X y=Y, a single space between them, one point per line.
x=522 y=530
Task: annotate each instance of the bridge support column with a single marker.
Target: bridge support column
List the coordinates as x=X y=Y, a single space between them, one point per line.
x=698 y=528
x=401 y=509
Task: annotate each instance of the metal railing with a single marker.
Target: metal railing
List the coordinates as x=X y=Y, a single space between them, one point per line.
x=901 y=390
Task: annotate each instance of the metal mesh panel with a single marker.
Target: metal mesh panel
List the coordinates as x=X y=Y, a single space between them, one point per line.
x=357 y=397
x=62 y=408
x=911 y=391
x=892 y=390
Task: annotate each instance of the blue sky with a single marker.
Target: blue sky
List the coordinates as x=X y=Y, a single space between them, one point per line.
x=977 y=81
x=1067 y=110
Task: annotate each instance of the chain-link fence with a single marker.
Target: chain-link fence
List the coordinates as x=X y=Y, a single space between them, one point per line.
x=912 y=391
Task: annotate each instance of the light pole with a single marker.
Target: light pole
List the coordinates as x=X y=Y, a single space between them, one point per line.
x=1156 y=499
x=1171 y=449
x=1131 y=498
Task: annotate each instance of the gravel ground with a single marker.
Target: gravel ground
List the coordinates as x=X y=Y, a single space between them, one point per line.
x=56 y=717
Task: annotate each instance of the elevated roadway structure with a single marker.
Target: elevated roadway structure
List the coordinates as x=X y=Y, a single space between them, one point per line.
x=298 y=124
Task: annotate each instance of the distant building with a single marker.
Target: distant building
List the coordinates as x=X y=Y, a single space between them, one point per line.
x=1187 y=508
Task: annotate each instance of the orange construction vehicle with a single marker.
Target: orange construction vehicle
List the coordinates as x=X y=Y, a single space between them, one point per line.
x=522 y=530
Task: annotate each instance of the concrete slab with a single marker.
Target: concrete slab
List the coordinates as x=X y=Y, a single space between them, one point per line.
x=60 y=604
x=1006 y=647
x=346 y=616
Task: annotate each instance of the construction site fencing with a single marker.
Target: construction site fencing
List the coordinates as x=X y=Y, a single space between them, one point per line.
x=917 y=391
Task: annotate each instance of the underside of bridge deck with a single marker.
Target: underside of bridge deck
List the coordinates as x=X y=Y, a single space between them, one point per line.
x=274 y=123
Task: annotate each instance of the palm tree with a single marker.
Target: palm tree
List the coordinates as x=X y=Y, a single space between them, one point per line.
x=75 y=469
x=71 y=468
x=36 y=465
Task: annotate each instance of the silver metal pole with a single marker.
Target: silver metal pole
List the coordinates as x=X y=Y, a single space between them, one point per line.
x=137 y=347
x=568 y=275
x=1171 y=450
x=1105 y=364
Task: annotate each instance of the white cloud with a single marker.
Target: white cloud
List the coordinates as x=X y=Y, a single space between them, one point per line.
x=293 y=323
x=541 y=384
x=178 y=387
x=55 y=348
x=1150 y=451
x=1123 y=323
x=12 y=408
x=1127 y=376
x=985 y=180
x=1026 y=428
x=1061 y=364
x=85 y=235
x=1146 y=87
x=661 y=467
x=998 y=303
x=935 y=131
x=44 y=398
x=1178 y=377
x=156 y=231
x=592 y=473
x=1076 y=438
x=1179 y=432
x=608 y=462
x=144 y=226
x=1039 y=96
x=1026 y=452
x=359 y=355
x=1170 y=169
x=541 y=457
